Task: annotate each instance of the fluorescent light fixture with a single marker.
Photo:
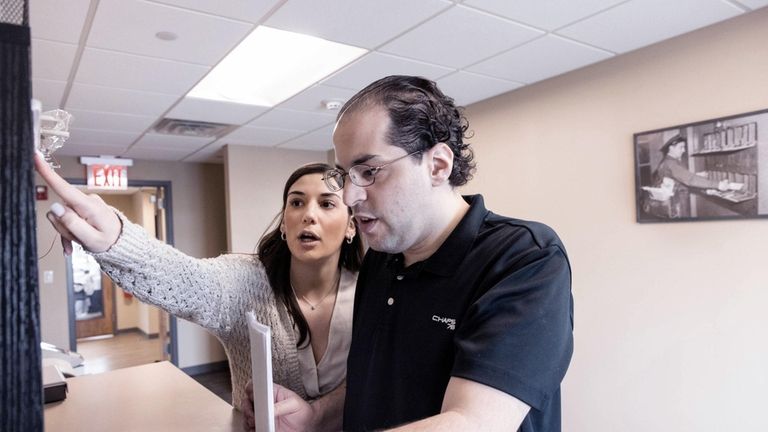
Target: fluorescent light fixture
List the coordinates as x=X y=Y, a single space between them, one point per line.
x=271 y=65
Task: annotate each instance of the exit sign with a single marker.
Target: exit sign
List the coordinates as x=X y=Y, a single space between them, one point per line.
x=105 y=176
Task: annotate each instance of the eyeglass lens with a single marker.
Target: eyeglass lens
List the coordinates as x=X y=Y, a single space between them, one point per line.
x=361 y=175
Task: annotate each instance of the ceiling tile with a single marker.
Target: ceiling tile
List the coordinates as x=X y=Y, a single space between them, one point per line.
x=214 y=111
x=459 y=37
x=547 y=15
x=320 y=140
x=467 y=88
x=48 y=92
x=110 y=121
x=312 y=98
x=540 y=59
x=127 y=77
x=171 y=142
x=130 y=26
x=133 y=72
x=362 y=23
x=243 y=10
x=97 y=98
x=157 y=154
x=377 y=65
x=57 y=20
x=92 y=137
x=628 y=26
x=754 y=4
x=208 y=154
x=297 y=120
x=91 y=150
x=52 y=60
x=263 y=137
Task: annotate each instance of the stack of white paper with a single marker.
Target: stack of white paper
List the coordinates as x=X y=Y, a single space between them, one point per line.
x=261 y=367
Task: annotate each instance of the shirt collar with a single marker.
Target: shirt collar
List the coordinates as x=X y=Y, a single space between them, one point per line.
x=446 y=260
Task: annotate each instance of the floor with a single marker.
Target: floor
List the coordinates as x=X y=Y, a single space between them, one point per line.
x=120 y=351
x=103 y=354
x=219 y=383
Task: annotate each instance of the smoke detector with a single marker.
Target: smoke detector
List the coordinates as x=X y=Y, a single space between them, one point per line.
x=191 y=128
x=333 y=105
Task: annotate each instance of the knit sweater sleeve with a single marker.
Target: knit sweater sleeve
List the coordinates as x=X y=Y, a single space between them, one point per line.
x=209 y=292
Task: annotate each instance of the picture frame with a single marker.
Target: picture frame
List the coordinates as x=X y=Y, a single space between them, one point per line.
x=708 y=170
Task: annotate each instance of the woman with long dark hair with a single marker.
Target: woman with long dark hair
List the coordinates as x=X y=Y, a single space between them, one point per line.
x=301 y=283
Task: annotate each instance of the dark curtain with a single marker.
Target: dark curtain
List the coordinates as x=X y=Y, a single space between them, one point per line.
x=20 y=377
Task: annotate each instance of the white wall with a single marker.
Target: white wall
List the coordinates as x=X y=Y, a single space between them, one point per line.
x=670 y=321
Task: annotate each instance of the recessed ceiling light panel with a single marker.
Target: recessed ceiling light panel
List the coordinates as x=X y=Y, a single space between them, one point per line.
x=270 y=65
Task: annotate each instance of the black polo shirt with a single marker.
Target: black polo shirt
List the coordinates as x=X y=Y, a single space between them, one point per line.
x=493 y=304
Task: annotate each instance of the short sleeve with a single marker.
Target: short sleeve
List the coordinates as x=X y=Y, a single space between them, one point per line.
x=518 y=336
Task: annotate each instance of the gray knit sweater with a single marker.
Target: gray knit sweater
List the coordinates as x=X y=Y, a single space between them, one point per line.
x=215 y=293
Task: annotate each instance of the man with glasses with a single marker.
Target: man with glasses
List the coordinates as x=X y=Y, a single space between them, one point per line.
x=463 y=318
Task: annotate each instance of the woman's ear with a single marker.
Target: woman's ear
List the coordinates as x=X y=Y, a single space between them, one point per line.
x=440 y=158
x=351 y=228
x=282 y=226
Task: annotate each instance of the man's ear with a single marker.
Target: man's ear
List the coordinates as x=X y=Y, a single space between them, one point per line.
x=440 y=158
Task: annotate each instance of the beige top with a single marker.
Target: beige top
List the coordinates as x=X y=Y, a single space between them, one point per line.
x=320 y=378
x=216 y=293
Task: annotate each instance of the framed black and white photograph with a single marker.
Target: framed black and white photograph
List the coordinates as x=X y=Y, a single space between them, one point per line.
x=713 y=169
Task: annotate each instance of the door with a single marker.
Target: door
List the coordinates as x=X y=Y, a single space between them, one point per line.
x=93 y=294
x=161 y=234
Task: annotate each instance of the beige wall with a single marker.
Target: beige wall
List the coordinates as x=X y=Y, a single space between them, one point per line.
x=148 y=316
x=255 y=177
x=670 y=318
x=131 y=313
x=199 y=230
x=126 y=309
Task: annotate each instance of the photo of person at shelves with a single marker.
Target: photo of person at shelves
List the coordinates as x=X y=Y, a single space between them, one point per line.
x=669 y=197
x=301 y=283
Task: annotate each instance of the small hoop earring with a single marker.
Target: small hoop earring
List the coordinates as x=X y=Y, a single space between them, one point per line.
x=350 y=239
x=282 y=236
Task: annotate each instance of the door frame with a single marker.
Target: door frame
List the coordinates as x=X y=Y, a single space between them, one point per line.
x=168 y=207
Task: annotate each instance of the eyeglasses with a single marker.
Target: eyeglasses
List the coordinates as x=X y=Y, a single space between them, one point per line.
x=360 y=175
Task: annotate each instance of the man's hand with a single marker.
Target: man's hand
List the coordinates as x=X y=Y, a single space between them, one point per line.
x=84 y=219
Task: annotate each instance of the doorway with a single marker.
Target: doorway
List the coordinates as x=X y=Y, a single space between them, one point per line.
x=93 y=292
x=106 y=323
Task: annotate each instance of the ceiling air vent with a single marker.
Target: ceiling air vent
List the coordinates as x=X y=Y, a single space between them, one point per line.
x=191 y=128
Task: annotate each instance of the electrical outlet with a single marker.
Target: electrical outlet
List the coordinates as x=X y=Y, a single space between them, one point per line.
x=48 y=277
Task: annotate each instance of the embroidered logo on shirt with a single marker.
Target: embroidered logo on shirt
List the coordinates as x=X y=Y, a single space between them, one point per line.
x=449 y=322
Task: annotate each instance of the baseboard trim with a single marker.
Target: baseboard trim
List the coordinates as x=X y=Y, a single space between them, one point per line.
x=206 y=368
x=138 y=330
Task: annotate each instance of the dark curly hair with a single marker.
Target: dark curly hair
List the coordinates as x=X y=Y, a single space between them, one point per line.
x=274 y=254
x=421 y=116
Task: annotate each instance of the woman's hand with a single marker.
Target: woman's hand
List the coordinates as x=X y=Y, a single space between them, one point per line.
x=292 y=413
x=82 y=218
x=246 y=407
